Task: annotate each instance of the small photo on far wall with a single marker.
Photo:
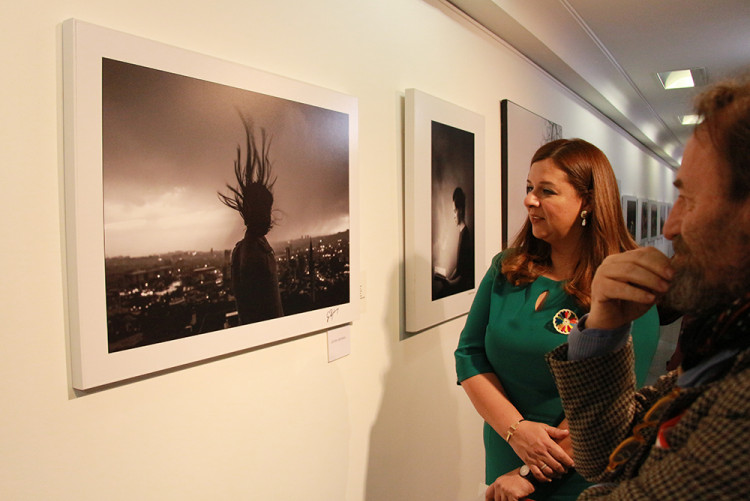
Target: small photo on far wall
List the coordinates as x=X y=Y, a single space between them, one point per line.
x=644 y=217
x=630 y=213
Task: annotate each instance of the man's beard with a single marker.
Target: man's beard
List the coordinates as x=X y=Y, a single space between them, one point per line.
x=692 y=291
x=687 y=291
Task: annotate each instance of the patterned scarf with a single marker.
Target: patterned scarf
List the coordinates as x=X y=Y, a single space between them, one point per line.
x=723 y=327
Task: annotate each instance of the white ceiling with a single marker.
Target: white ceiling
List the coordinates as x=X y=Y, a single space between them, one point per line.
x=609 y=51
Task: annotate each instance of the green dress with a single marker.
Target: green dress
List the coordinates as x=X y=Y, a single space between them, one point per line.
x=505 y=335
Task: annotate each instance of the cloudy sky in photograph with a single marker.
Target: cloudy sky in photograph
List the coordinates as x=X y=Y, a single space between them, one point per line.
x=169 y=145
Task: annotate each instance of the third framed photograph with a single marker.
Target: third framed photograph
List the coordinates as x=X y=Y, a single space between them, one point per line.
x=444 y=200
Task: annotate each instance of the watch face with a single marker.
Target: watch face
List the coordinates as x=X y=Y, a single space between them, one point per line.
x=524 y=471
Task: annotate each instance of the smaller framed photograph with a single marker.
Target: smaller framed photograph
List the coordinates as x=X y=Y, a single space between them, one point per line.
x=444 y=206
x=643 y=211
x=653 y=214
x=632 y=216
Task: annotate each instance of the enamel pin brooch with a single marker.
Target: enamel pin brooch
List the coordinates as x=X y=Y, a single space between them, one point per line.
x=564 y=320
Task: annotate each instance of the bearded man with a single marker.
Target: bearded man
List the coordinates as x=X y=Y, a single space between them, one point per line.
x=688 y=435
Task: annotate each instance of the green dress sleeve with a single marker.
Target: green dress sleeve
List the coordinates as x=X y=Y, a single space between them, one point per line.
x=471 y=358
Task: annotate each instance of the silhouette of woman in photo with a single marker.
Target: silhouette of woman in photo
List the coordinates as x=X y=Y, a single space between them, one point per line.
x=255 y=281
x=462 y=276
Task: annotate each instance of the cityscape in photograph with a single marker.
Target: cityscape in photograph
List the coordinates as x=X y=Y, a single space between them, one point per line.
x=159 y=298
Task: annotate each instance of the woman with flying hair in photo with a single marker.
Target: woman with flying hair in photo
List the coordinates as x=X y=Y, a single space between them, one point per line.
x=255 y=281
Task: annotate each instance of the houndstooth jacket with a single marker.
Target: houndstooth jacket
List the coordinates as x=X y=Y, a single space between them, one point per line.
x=709 y=449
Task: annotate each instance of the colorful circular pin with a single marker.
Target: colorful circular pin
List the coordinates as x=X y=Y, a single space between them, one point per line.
x=564 y=320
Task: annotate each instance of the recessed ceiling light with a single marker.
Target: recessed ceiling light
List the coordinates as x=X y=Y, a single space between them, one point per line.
x=690 y=119
x=682 y=79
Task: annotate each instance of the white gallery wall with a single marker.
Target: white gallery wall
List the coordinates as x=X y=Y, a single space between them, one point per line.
x=385 y=423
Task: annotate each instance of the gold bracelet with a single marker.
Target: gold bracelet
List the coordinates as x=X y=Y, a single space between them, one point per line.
x=512 y=429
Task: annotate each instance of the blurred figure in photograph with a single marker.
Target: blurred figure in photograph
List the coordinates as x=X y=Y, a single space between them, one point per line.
x=255 y=281
x=461 y=278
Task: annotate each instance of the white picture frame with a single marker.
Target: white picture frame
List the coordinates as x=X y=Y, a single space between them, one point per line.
x=86 y=48
x=428 y=202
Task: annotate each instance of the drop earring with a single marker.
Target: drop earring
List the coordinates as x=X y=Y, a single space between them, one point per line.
x=583 y=217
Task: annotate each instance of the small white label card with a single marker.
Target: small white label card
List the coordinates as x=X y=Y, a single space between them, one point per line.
x=339 y=342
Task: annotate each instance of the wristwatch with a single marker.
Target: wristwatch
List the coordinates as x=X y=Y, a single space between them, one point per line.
x=525 y=472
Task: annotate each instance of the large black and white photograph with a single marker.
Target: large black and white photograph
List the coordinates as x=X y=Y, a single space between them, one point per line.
x=226 y=209
x=522 y=133
x=222 y=206
x=444 y=170
x=452 y=210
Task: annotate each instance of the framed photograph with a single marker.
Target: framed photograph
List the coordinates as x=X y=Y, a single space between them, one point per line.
x=643 y=210
x=522 y=133
x=210 y=207
x=653 y=208
x=663 y=214
x=444 y=205
x=632 y=216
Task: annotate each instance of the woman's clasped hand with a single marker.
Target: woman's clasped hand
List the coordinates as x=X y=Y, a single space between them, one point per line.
x=544 y=449
x=536 y=444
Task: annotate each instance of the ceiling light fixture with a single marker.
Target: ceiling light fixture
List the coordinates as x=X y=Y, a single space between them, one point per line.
x=690 y=119
x=682 y=79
